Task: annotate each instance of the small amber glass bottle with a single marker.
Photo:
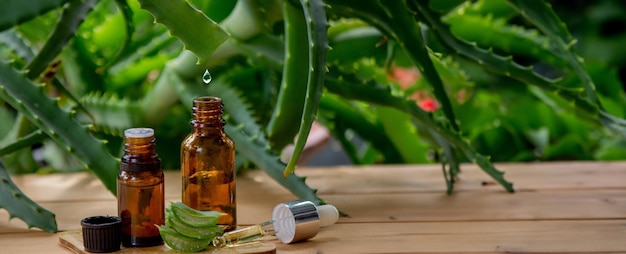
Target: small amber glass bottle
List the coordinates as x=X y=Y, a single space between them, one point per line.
x=208 y=163
x=140 y=190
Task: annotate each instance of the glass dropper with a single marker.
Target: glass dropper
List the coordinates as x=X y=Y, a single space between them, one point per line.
x=291 y=222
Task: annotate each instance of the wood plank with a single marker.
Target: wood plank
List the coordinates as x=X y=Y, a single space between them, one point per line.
x=366 y=179
x=401 y=207
x=559 y=208
x=469 y=237
x=486 y=206
x=605 y=236
x=428 y=178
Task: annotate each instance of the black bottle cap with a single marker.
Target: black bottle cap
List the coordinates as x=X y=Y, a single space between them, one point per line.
x=101 y=233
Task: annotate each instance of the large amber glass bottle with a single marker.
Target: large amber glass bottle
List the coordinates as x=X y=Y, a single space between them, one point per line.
x=208 y=163
x=140 y=190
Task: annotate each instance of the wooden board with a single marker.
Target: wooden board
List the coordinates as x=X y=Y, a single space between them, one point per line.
x=469 y=237
x=406 y=207
x=73 y=241
x=564 y=207
x=359 y=180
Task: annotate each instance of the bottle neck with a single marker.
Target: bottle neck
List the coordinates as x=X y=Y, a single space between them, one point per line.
x=207 y=115
x=140 y=150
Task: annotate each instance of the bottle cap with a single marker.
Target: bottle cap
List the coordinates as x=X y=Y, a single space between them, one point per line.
x=300 y=220
x=139 y=133
x=101 y=233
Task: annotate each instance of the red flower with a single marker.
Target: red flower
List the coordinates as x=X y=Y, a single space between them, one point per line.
x=428 y=104
x=406 y=77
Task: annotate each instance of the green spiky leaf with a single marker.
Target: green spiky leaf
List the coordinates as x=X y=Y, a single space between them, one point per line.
x=198 y=32
x=317 y=26
x=44 y=112
x=14 y=12
x=19 y=205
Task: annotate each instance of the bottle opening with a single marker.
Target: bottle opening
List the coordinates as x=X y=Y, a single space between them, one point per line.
x=208 y=99
x=139 y=133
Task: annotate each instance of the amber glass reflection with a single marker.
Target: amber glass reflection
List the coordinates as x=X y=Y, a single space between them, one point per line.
x=208 y=163
x=140 y=190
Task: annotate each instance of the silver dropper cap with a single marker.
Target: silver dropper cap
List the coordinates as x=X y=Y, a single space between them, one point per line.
x=300 y=220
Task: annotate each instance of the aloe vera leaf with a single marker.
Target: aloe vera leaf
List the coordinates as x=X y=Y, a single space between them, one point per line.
x=23 y=50
x=352 y=88
x=496 y=33
x=450 y=72
x=394 y=19
x=264 y=49
x=358 y=42
x=199 y=33
x=243 y=22
x=507 y=67
x=317 y=26
x=45 y=113
x=444 y=6
x=127 y=13
x=245 y=132
x=406 y=32
x=238 y=110
x=80 y=69
x=494 y=8
x=543 y=17
x=339 y=132
x=153 y=47
x=270 y=12
x=16 y=12
x=234 y=104
x=450 y=162
x=180 y=242
x=402 y=134
x=137 y=72
x=218 y=10
x=339 y=26
x=252 y=17
x=262 y=156
x=192 y=217
x=19 y=155
x=73 y=15
x=17 y=44
x=345 y=116
x=111 y=114
x=369 y=11
x=411 y=40
x=291 y=96
x=19 y=205
x=502 y=65
x=159 y=99
x=23 y=142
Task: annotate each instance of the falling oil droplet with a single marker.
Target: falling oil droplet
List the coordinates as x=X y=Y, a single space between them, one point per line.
x=207 y=77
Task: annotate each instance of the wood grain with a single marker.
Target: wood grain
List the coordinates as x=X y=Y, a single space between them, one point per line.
x=565 y=207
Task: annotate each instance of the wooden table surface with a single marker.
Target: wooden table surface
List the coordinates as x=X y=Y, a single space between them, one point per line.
x=568 y=207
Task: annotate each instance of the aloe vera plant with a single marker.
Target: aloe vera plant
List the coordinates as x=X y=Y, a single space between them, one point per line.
x=416 y=81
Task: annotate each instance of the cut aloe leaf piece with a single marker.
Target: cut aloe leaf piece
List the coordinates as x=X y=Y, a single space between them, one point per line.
x=182 y=243
x=193 y=217
x=193 y=232
x=168 y=213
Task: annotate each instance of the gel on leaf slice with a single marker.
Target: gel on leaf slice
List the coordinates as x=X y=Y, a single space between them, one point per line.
x=182 y=243
x=201 y=233
x=193 y=217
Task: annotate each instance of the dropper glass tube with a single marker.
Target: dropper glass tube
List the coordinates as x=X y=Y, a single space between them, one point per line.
x=244 y=235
